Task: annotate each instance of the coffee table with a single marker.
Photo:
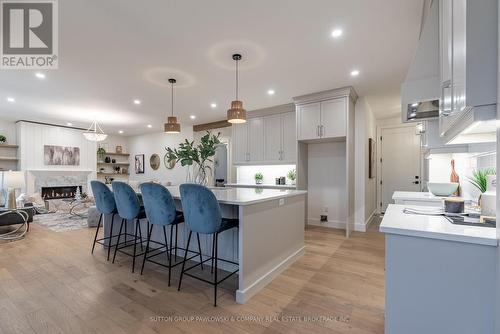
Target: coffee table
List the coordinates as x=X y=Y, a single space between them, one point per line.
x=75 y=207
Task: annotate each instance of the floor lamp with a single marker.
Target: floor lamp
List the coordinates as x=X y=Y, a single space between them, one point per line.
x=13 y=181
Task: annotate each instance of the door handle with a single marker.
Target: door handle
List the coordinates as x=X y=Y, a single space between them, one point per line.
x=317 y=130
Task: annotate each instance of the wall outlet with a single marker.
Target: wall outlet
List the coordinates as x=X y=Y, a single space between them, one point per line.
x=281 y=202
x=323 y=218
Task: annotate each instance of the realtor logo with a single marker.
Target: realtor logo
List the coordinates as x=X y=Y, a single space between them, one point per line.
x=29 y=34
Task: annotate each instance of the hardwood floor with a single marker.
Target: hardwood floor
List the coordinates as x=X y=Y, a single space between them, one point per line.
x=50 y=283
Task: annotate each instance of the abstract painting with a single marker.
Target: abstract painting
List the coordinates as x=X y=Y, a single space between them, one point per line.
x=61 y=155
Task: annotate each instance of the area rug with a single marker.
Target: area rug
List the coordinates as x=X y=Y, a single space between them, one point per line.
x=60 y=221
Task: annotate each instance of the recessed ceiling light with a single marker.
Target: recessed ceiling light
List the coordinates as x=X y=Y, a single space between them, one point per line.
x=336 y=33
x=354 y=73
x=414 y=105
x=69 y=124
x=40 y=75
x=137 y=101
x=11 y=99
x=213 y=105
x=120 y=132
x=150 y=126
x=270 y=92
x=192 y=116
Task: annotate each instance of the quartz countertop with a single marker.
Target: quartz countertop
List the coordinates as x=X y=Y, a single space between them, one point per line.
x=245 y=196
x=395 y=221
x=269 y=186
x=416 y=196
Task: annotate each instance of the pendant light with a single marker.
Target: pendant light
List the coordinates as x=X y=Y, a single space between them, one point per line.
x=236 y=114
x=95 y=133
x=172 y=126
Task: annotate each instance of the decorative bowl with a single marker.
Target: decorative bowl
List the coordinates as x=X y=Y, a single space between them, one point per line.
x=442 y=189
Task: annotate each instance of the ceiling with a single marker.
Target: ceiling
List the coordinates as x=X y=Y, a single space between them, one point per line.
x=112 y=52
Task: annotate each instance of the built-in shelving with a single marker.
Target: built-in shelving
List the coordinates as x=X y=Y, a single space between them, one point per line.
x=118 y=154
x=107 y=169
x=8 y=157
x=113 y=164
x=112 y=174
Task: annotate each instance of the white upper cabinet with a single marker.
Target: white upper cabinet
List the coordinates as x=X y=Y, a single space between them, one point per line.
x=255 y=139
x=322 y=120
x=289 y=147
x=309 y=118
x=273 y=138
x=459 y=38
x=333 y=118
x=265 y=140
x=240 y=143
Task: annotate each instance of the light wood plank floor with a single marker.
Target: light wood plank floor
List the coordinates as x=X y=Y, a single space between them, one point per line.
x=50 y=283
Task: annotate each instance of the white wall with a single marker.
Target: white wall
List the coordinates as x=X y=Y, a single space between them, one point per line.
x=365 y=188
x=8 y=129
x=327 y=183
x=149 y=144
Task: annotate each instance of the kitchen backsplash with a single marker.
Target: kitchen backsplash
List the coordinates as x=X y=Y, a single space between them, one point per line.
x=246 y=174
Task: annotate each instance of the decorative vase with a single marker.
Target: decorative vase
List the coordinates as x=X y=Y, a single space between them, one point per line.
x=107 y=160
x=113 y=161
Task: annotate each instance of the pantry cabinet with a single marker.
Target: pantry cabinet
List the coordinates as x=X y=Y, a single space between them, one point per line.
x=322 y=120
x=265 y=140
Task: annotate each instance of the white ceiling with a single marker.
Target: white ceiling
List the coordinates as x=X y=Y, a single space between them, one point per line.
x=112 y=52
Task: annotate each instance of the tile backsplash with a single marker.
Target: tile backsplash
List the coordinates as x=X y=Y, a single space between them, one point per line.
x=246 y=174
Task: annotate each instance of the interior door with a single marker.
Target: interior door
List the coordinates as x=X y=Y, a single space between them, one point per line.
x=309 y=121
x=333 y=118
x=400 y=164
x=256 y=139
x=272 y=138
x=289 y=147
x=240 y=143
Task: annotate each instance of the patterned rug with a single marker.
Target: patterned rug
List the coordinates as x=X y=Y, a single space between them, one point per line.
x=60 y=221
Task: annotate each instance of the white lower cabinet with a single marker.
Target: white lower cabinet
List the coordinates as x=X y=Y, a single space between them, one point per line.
x=266 y=140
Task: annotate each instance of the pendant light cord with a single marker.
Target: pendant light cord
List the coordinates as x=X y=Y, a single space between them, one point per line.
x=237 y=80
x=172 y=90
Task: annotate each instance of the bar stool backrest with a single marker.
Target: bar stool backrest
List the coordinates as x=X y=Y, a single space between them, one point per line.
x=104 y=198
x=126 y=200
x=158 y=204
x=200 y=208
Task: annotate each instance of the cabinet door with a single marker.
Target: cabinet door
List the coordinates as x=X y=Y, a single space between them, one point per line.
x=272 y=138
x=459 y=38
x=333 y=118
x=255 y=139
x=309 y=121
x=289 y=147
x=240 y=143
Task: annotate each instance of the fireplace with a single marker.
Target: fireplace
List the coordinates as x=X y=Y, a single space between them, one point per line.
x=60 y=192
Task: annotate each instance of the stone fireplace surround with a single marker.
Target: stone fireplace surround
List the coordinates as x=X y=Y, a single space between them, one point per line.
x=36 y=179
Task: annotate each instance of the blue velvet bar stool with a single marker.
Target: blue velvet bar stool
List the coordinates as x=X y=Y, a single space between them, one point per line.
x=129 y=208
x=202 y=215
x=105 y=203
x=161 y=212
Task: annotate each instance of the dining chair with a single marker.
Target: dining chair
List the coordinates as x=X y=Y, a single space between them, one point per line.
x=105 y=204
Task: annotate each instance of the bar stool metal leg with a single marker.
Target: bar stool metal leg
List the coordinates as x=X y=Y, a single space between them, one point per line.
x=96 y=233
x=166 y=243
x=170 y=254
x=184 y=261
x=110 y=235
x=135 y=245
x=215 y=274
x=199 y=249
x=213 y=250
x=118 y=241
x=147 y=247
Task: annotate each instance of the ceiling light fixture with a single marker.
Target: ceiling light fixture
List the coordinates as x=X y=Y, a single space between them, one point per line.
x=95 y=133
x=69 y=124
x=11 y=99
x=172 y=126
x=236 y=114
x=137 y=102
x=192 y=117
x=354 y=73
x=336 y=33
x=213 y=105
x=120 y=132
x=40 y=75
x=270 y=92
x=150 y=126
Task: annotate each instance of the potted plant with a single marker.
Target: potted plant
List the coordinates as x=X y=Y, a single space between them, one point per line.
x=199 y=156
x=101 y=153
x=479 y=180
x=259 y=178
x=292 y=176
x=3 y=139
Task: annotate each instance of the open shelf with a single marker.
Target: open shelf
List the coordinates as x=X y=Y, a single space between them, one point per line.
x=113 y=163
x=8 y=146
x=112 y=174
x=8 y=159
x=118 y=154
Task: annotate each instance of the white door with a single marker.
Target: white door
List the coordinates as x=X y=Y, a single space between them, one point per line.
x=289 y=146
x=309 y=121
x=255 y=139
x=400 y=164
x=272 y=138
x=333 y=118
x=240 y=143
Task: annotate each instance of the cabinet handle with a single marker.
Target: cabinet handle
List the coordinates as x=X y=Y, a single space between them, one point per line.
x=321 y=131
x=317 y=131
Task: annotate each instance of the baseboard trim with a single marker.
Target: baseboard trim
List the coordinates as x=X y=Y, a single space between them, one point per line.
x=330 y=224
x=370 y=219
x=242 y=296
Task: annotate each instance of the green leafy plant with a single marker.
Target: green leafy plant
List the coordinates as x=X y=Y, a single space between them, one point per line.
x=259 y=177
x=478 y=178
x=101 y=152
x=189 y=154
x=3 y=139
x=292 y=175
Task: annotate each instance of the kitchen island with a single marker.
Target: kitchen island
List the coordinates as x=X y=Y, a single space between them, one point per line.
x=270 y=236
x=440 y=277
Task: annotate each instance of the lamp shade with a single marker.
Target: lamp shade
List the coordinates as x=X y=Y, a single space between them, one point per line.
x=13 y=180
